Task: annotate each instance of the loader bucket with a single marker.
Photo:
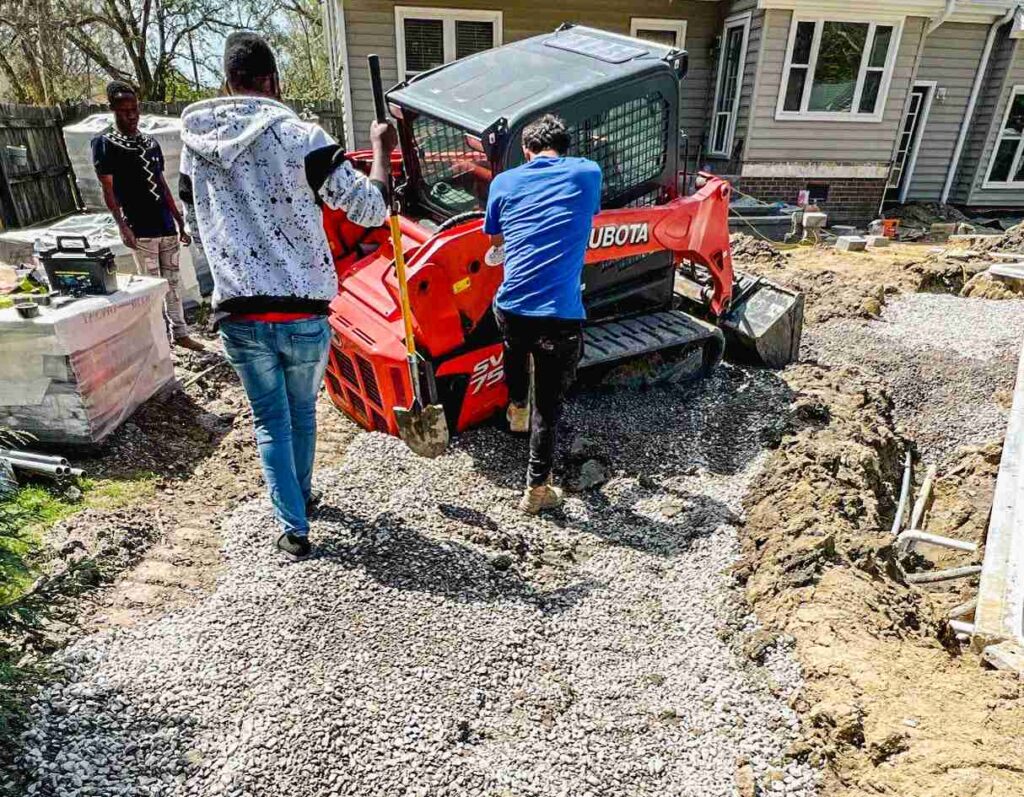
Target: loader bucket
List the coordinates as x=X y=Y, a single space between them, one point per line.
x=764 y=324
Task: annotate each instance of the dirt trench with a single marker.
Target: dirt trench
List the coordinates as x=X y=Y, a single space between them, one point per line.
x=892 y=704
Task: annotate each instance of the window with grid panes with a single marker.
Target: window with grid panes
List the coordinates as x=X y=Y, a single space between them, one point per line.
x=727 y=88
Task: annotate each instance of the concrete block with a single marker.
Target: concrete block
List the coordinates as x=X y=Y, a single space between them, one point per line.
x=851 y=243
x=940 y=231
x=1007 y=656
x=878 y=242
x=843 y=229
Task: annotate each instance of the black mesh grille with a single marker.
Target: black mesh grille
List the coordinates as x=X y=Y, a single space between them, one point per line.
x=369 y=380
x=648 y=200
x=348 y=371
x=379 y=423
x=356 y=402
x=629 y=141
x=455 y=177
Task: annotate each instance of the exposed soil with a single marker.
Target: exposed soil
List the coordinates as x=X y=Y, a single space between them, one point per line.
x=893 y=703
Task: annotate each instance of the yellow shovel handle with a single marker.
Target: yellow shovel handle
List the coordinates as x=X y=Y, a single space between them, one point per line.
x=403 y=286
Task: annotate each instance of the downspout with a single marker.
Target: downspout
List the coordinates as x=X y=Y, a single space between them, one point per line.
x=945 y=15
x=965 y=125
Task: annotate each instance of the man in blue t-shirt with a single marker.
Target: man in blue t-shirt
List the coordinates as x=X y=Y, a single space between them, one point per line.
x=541 y=213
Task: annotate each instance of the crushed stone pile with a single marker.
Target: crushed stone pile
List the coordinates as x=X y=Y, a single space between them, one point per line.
x=945 y=361
x=748 y=249
x=924 y=214
x=442 y=644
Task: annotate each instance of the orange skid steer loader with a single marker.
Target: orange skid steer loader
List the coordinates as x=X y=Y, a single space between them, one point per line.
x=658 y=275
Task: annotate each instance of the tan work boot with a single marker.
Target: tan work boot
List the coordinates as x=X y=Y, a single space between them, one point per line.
x=518 y=418
x=187 y=342
x=537 y=499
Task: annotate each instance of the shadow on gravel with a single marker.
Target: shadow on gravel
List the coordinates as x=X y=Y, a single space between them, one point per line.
x=399 y=556
x=718 y=424
x=694 y=516
x=88 y=756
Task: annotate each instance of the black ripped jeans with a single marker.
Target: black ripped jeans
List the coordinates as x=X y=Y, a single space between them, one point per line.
x=556 y=345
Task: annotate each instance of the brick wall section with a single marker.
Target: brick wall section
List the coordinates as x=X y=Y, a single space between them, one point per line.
x=850 y=200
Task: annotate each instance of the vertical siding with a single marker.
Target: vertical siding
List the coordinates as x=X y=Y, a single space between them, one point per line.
x=1005 y=72
x=370 y=28
x=799 y=140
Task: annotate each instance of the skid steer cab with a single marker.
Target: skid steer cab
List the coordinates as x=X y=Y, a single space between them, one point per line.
x=658 y=278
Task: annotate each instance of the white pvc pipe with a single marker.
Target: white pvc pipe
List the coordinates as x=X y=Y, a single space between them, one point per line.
x=960 y=627
x=913 y=535
x=965 y=125
x=930 y=576
x=937 y=22
x=901 y=507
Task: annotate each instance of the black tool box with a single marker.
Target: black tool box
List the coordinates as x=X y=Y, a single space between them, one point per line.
x=75 y=268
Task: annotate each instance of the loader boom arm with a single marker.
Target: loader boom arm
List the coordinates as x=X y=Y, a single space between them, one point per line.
x=694 y=228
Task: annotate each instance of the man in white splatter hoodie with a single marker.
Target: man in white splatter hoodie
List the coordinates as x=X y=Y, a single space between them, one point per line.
x=256 y=175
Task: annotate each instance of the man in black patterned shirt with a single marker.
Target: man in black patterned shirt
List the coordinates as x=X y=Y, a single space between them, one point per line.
x=130 y=167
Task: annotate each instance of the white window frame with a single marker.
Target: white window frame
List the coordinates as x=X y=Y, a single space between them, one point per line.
x=1007 y=184
x=449 y=16
x=676 y=26
x=853 y=115
x=739 y=20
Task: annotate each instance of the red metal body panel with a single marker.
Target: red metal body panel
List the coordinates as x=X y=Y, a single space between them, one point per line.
x=451 y=289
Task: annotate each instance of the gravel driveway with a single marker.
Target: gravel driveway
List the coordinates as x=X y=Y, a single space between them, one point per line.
x=442 y=644
x=948 y=362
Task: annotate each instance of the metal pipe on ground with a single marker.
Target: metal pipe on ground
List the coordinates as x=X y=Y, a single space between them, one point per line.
x=932 y=576
x=14 y=452
x=901 y=507
x=45 y=468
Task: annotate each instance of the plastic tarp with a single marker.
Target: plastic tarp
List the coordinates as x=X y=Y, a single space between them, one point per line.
x=19 y=246
x=75 y=373
x=78 y=139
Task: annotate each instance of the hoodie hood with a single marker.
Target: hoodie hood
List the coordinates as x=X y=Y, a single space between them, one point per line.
x=221 y=129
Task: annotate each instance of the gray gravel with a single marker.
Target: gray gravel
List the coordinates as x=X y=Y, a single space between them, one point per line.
x=442 y=644
x=944 y=359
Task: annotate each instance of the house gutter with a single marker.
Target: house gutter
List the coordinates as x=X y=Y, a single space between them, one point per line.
x=965 y=125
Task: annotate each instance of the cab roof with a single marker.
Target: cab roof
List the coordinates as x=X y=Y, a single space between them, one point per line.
x=522 y=78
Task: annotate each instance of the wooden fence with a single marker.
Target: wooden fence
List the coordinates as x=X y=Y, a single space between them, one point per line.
x=37 y=183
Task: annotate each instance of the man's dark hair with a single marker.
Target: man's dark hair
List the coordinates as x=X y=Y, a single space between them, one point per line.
x=548 y=132
x=118 y=89
x=248 y=59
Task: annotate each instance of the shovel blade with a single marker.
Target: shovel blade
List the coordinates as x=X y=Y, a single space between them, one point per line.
x=424 y=430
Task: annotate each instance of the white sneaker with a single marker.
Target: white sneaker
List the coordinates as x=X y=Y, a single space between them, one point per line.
x=518 y=418
x=537 y=499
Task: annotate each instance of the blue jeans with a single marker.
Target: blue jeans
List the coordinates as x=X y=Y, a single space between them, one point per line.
x=281 y=367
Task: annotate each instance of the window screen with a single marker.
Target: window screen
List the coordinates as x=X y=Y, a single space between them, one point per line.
x=424 y=44
x=455 y=177
x=629 y=141
x=472 y=37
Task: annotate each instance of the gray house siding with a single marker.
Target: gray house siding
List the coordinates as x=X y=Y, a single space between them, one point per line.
x=370 y=28
x=836 y=142
x=951 y=58
x=1007 y=71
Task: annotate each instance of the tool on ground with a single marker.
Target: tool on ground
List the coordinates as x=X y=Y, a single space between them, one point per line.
x=658 y=284
x=422 y=424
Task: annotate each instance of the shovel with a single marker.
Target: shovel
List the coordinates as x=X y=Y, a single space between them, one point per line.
x=422 y=426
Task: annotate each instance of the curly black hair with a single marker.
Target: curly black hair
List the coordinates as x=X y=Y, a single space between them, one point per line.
x=248 y=59
x=117 y=89
x=548 y=132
